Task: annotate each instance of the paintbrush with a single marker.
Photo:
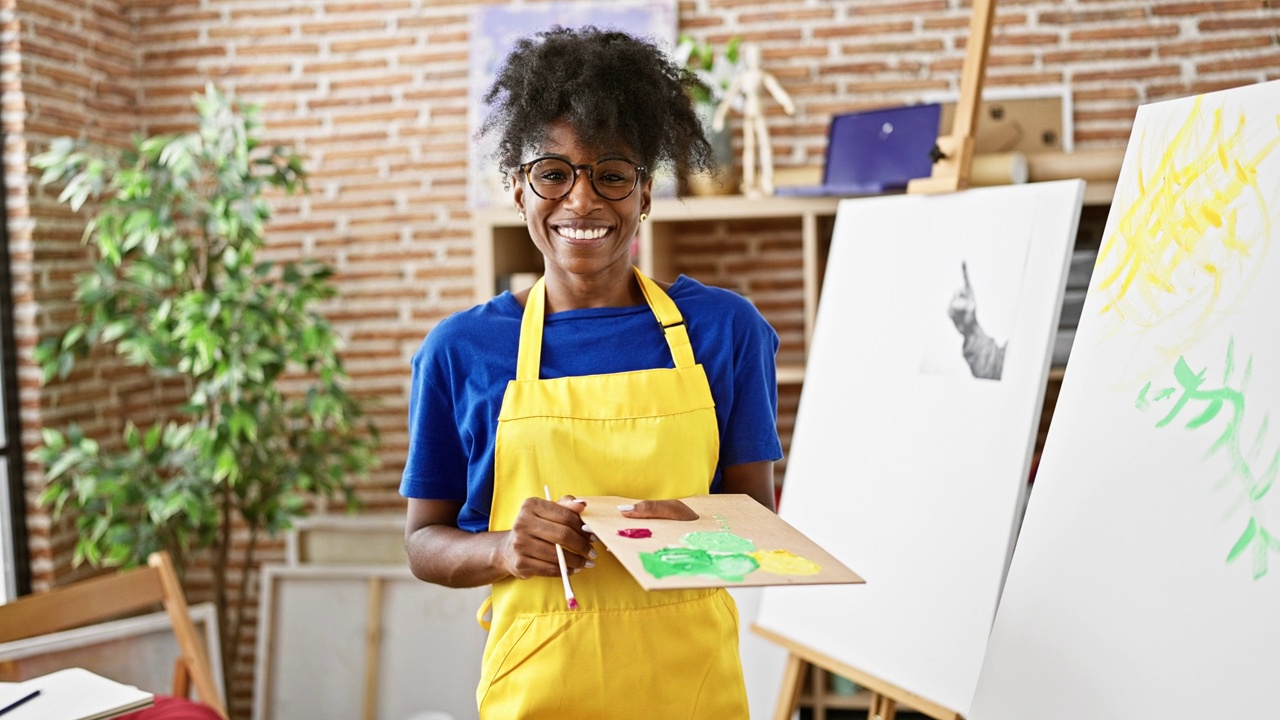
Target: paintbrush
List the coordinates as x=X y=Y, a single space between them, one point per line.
x=564 y=570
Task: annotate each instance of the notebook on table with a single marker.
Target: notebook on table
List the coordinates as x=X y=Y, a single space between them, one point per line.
x=71 y=694
x=876 y=151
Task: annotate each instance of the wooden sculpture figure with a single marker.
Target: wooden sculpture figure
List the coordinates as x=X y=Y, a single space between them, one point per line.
x=754 y=130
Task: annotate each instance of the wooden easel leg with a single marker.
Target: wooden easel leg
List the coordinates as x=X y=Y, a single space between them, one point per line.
x=882 y=708
x=789 y=693
x=372 y=648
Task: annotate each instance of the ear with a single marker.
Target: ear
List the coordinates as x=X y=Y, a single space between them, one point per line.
x=517 y=195
x=646 y=196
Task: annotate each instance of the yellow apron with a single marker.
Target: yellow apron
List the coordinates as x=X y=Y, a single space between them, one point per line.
x=626 y=653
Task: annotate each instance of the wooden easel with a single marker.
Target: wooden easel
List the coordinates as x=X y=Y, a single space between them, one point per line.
x=953 y=155
x=952 y=164
x=885 y=696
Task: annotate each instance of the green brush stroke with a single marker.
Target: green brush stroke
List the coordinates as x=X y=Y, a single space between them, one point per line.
x=1211 y=402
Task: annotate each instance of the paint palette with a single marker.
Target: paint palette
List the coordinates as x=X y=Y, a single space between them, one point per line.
x=735 y=542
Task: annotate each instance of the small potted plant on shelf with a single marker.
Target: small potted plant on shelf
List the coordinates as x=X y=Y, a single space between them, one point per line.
x=265 y=424
x=714 y=71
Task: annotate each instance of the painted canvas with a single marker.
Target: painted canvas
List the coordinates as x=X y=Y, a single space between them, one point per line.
x=496 y=27
x=1146 y=582
x=910 y=471
x=735 y=542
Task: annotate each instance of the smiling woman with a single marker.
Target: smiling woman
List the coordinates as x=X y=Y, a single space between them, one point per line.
x=597 y=381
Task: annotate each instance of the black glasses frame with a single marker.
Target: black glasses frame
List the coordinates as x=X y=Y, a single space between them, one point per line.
x=526 y=169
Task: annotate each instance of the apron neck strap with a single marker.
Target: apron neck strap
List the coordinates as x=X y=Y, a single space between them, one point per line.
x=669 y=318
x=529 y=361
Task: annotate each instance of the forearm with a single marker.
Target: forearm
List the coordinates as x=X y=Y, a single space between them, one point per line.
x=985 y=357
x=754 y=479
x=448 y=556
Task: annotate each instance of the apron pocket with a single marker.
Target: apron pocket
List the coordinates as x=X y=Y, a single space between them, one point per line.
x=678 y=660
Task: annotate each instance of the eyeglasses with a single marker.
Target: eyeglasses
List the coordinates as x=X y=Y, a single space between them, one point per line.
x=551 y=178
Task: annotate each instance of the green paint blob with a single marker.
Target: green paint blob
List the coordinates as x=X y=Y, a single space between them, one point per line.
x=718 y=542
x=686 y=561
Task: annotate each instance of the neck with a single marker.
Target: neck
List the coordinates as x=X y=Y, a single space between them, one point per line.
x=614 y=287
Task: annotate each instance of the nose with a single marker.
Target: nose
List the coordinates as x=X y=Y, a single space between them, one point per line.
x=582 y=197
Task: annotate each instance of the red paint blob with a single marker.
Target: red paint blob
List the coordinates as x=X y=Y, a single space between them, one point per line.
x=573 y=604
x=635 y=533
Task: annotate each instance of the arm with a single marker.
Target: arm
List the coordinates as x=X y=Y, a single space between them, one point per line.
x=984 y=355
x=754 y=479
x=775 y=89
x=441 y=553
x=722 y=110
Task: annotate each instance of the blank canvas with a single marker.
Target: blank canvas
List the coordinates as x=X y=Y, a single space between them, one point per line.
x=904 y=465
x=1146 y=582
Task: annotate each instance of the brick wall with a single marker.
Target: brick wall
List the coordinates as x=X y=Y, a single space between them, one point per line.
x=373 y=93
x=67 y=71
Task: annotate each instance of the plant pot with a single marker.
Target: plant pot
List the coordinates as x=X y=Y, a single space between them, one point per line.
x=724 y=181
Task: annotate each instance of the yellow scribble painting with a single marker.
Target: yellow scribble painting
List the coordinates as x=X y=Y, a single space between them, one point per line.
x=1191 y=226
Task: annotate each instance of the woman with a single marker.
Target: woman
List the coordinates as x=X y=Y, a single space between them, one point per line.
x=572 y=385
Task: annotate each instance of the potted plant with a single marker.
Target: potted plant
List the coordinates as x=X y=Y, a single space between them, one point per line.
x=714 y=72
x=176 y=291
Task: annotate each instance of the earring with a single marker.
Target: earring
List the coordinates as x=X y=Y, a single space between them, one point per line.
x=521 y=213
x=644 y=216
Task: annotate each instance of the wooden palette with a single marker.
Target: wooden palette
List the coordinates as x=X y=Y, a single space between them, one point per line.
x=735 y=542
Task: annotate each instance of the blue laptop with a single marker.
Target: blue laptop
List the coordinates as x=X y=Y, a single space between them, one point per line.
x=876 y=151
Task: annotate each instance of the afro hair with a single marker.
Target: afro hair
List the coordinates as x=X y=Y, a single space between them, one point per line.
x=608 y=86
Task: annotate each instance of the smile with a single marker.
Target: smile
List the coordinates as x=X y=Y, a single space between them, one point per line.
x=581 y=233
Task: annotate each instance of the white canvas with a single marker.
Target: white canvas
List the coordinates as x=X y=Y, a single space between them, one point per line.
x=314 y=623
x=910 y=472
x=1146 y=581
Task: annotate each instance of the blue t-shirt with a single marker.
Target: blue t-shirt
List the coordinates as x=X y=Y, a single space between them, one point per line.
x=461 y=371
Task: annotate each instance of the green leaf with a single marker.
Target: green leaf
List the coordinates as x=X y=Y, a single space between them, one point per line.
x=1243 y=542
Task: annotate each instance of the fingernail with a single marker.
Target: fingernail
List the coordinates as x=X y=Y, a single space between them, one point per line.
x=590 y=564
x=594 y=539
x=586 y=528
x=592 y=553
x=626 y=508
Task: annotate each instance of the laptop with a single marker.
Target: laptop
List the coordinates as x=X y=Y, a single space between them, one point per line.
x=876 y=151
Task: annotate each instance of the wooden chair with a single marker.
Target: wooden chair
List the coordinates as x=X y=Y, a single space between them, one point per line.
x=112 y=596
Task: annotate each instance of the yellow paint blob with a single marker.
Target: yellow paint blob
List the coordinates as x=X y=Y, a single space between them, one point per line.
x=782 y=562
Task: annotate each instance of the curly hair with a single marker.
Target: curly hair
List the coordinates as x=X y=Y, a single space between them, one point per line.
x=608 y=86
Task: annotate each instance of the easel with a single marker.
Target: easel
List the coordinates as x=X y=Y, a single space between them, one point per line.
x=953 y=155
x=885 y=696
x=953 y=160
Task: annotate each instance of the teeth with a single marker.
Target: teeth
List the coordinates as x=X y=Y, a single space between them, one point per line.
x=578 y=234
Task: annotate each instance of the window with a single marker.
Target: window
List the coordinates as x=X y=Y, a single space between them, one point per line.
x=13 y=538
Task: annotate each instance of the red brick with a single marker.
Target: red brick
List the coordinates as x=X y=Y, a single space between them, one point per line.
x=1129 y=32
x=1259 y=62
x=1203 y=8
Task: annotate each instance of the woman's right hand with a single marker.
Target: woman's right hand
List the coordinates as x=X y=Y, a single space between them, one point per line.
x=529 y=548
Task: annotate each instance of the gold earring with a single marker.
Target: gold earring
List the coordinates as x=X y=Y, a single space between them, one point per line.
x=644 y=216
